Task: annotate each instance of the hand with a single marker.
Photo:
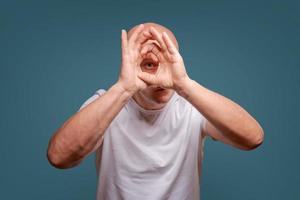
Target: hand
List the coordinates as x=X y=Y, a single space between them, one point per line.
x=171 y=72
x=131 y=58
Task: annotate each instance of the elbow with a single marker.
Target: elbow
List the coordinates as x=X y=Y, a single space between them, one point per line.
x=59 y=154
x=256 y=141
x=57 y=161
x=53 y=156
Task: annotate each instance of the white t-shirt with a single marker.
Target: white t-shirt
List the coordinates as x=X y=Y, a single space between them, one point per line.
x=151 y=154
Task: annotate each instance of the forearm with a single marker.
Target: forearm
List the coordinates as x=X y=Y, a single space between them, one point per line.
x=79 y=135
x=229 y=118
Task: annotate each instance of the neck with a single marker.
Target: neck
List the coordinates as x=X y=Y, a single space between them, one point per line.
x=146 y=103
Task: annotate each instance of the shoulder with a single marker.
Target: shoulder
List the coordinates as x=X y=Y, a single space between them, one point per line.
x=188 y=108
x=93 y=97
x=181 y=104
x=100 y=91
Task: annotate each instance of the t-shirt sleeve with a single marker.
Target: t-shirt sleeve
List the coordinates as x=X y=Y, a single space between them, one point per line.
x=199 y=117
x=97 y=94
x=203 y=121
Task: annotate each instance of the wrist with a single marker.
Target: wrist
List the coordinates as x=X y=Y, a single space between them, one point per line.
x=123 y=89
x=182 y=86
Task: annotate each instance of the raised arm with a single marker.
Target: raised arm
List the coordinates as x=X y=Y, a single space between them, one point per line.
x=82 y=133
x=226 y=120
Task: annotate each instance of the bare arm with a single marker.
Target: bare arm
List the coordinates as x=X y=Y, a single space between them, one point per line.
x=226 y=120
x=82 y=133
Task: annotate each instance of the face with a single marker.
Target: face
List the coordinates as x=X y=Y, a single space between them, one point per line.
x=149 y=63
x=153 y=94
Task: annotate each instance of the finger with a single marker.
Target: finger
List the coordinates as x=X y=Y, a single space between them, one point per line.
x=170 y=45
x=157 y=36
x=153 y=48
x=148 y=53
x=124 y=43
x=148 y=78
x=146 y=48
x=149 y=47
x=147 y=34
x=151 y=56
x=135 y=33
x=143 y=37
x=156 y=50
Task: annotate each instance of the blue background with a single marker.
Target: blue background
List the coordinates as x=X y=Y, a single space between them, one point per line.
x=56 y=54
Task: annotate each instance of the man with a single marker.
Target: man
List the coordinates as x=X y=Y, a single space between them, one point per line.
x=148 y=129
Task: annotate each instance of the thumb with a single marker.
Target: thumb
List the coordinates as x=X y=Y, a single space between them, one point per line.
x=148 y=78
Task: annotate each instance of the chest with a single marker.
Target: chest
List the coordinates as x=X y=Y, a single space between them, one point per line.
x=144 y=143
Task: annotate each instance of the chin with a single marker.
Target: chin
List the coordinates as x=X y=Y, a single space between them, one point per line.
x=162 y=97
